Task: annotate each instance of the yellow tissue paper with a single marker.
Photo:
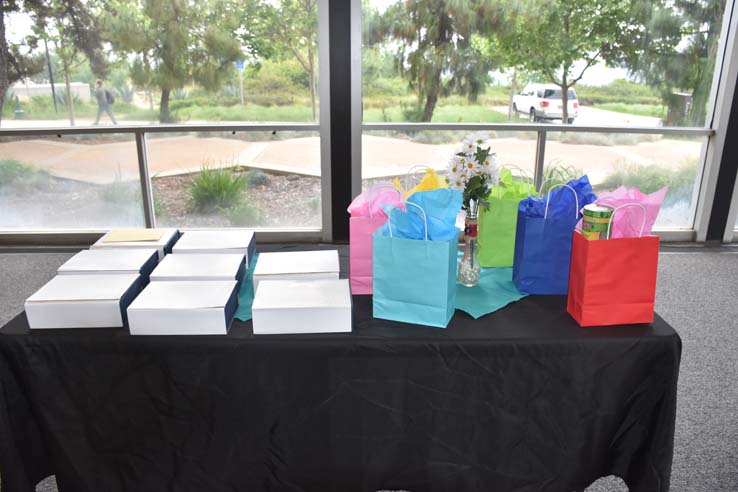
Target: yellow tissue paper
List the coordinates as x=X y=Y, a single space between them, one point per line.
x=431 y=181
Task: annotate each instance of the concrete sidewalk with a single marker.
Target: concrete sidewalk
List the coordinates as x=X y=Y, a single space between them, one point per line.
x=382 y=156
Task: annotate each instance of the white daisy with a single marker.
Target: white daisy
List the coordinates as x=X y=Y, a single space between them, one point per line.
x=476 y=138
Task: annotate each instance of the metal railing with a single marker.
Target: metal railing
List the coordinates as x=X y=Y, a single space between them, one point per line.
x=541 y=131
x=140 y=131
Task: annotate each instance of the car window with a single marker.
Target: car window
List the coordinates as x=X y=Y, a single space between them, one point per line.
x=556 y=94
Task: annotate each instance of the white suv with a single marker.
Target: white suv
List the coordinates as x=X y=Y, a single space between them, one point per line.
x=543 y=102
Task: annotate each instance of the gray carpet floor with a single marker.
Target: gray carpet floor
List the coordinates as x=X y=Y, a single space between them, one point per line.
x=697 y=293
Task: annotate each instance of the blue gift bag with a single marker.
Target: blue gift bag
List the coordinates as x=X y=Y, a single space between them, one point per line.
x=414 y=279
x=544 y=235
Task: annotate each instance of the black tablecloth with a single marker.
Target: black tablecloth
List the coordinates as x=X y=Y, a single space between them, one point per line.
x=519 y=400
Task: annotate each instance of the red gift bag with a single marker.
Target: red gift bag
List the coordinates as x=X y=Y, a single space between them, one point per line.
x=613 y=281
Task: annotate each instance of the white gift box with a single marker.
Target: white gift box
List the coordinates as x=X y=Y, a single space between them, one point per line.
x=228 y=266
x=161 y=239
x=217 y=241
x=296 y=265
x=299 y=306
x=112 y=261
x=82 y=301
x=184 y=308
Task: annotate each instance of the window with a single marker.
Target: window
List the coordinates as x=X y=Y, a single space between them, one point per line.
x=556 y=94
x=250 y=64
x=69 y=182
x=472 y=70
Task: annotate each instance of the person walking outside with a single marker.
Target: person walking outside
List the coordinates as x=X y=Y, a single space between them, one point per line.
x=105 y=100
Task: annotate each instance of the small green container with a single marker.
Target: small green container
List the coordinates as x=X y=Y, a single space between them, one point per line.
x=595 y=221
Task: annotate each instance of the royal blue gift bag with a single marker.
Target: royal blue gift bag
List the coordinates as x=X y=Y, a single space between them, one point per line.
x=414 y=279
x=544 y=235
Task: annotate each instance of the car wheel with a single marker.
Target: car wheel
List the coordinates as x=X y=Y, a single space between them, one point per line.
x=570 y=120
x=532 y=116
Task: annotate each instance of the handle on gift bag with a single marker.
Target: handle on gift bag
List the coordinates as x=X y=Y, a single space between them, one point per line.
x=425 y=218
x=372 y=194
x=643 y=224
x=524 y=174
x=548 y=199
x=413 y=171
x=549 y=180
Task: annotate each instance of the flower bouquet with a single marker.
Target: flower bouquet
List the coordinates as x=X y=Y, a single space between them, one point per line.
x=473 y=170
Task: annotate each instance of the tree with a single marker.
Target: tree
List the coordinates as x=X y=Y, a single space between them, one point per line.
x=562 y=33
x=174 y=43
x=435 y=49
x=73 y=28
x=292 y=26
x=15 y=64
x=675 y=50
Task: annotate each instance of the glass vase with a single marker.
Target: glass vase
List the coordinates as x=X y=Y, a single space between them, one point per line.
x=469 y=269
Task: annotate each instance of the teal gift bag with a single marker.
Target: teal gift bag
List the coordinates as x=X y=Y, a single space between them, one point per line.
x=414 y=279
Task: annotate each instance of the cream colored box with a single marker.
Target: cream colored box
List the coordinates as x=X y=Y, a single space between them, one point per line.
x=302 y=306
x=296 y=265
x=184 y=308
x=163 y=239
x=82 y=301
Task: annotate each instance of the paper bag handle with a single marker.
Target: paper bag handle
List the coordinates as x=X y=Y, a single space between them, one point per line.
x=524 y=174
x=549 y=180
x=371 y=196
x=548 y=199
x=643 y=224
x=425 y=219
x=412 y=171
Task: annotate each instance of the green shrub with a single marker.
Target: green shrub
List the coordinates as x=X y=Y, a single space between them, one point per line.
x=244 y=215
x=271 y=89
x=256 y=178
x=654 y=110
x=557 y=172
x=21 y=176
x=216 y=188
x=617 y=91
x=602 y=139
x=651 y=178
x=120 y=192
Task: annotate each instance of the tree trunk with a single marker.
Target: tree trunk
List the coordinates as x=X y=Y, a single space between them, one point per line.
x=311 y=81
x=513 y=90
x=564 y=100
x=70 y=101
x=164 y=116
x=4 y=82
x=431 y=98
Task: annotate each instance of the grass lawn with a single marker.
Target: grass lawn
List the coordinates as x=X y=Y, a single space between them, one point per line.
x=654 y=110
x=452 y=113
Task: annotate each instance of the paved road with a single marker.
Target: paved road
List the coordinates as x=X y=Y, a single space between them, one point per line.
x=589 y=116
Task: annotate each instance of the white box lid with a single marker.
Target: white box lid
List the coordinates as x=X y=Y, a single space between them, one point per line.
x=185 y=295
x=299 y=294
x=199 y=265
x=164 y=239
x=297 y=262
x=215 y=239
x=113 y=260
x=72 y=288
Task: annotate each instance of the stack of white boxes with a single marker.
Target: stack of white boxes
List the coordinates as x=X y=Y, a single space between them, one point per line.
x=94 y=288
x=194 y=291
x=300 y=292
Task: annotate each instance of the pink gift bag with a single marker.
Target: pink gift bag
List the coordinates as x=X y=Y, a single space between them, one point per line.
x=366 y=216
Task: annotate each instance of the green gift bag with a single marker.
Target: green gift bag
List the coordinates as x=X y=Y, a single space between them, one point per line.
x=497 y=224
